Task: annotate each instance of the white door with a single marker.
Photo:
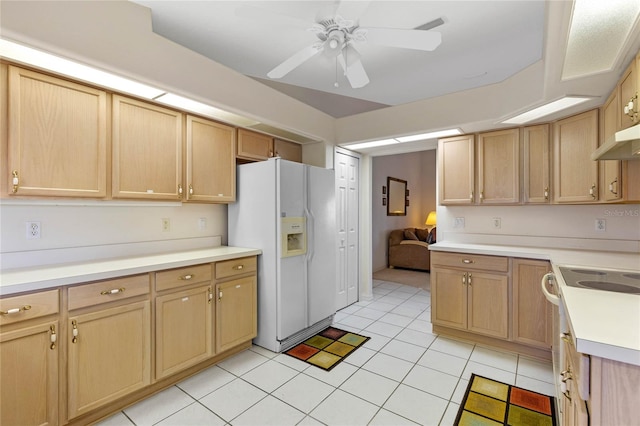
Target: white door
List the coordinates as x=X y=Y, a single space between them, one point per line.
x=347 y=195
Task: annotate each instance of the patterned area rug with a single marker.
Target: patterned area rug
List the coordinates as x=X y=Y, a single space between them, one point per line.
x=488 y=402
x=327 y=348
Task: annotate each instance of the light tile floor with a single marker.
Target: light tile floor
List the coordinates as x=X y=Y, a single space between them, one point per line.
x=404 y=375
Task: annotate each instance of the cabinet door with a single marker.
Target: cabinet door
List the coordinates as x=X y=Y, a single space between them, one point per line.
x=183 y=329
x=210 y=161
x=531 y=311
x=254 y=146
x=575 y=175
x=611 y=188
x=628 y=92
x=499 y=167
x=488 y=307
x=537 y=160
x=57 y=137
x=449 y=298
x=147 y=151
x=109 y=356
x=456 y=170
x=236 y=312
x=287 y=150
x=29 y=371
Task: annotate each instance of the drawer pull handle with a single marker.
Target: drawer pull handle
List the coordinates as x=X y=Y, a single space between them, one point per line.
x=187 y=277
x=566 y=337
x=469 y=280
x=238 y=267
x=210 y=295
x=54 y=337
x=219 y=295
x=467 y=261
x=464 y=279
x=74 y=331
x=112 y=291
x=15 y=181
x=15 y=310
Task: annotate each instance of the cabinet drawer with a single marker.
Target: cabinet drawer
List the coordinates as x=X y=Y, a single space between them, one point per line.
x=28 y=306
x=107 y=291
x=470 y=261
x=229 y=268
x=180 y=277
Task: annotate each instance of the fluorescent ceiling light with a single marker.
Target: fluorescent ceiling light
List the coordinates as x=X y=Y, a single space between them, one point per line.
x=597 y=33
x=371 y=144
x=204 y=109
x=39 y=59
x=546 y=109
x=402 y=139
x=431 y=135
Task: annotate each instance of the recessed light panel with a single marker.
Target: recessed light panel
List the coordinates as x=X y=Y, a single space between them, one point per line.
x=547 y=109
x=598 y=31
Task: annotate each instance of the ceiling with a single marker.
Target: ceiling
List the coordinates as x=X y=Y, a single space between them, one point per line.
x=483 y=42
x=497 y=58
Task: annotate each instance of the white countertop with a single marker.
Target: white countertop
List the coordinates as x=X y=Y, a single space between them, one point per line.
x=604 y=324
x=27 y=279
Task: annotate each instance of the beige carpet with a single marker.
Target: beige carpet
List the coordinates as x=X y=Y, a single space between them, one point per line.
x=410 y=277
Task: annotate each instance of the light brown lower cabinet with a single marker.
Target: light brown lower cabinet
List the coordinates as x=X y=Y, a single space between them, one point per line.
x=29 y=372
x=470 y=298
x=236 y=319
x=29 y=354
x=183 y=329
x=531 y=311
x=109 y=351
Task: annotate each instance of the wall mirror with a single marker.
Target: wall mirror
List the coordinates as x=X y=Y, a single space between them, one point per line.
x=396 y=197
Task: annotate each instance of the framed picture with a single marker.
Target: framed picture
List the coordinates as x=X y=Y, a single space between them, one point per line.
x=384 y=201
x=384 y=190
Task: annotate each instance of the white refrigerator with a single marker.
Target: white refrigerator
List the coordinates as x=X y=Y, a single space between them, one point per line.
x=287 y=210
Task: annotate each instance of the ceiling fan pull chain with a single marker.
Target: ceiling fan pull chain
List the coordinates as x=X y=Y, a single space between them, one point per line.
x=335 y=84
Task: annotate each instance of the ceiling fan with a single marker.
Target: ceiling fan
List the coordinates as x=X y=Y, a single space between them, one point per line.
x=337 y=37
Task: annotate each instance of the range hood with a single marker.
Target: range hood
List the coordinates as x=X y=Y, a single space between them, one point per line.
x=624 y=146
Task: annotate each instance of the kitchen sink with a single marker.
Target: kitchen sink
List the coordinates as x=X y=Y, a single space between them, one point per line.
x=604 y=280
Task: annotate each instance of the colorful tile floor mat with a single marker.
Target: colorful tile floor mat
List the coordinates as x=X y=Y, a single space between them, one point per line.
x=488 y=402
x=327 y=348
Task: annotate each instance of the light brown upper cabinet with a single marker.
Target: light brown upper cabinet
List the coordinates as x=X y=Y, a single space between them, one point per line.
x=147 y=151
x=628 y=92
x=57 y=137
x=575 y=175
x=210 y=161
x=456 y=170
x=610 y=185
x=536 y=161
x=499 y=167
x=254 y=146
x=287 y=150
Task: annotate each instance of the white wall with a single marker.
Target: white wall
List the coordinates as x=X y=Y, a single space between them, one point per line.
x=545 y=226
x=419 y=170
x=73 y=231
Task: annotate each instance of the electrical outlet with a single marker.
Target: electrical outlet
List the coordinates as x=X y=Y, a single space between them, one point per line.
x=497 y=222
x=458 y=222
x=601 y=225
x=166 y=224
x=202 y=223
x=33 y=230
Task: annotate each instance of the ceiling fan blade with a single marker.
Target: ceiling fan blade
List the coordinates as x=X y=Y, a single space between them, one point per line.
x=295 y=61
x=407 y=39
x=349 y=58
